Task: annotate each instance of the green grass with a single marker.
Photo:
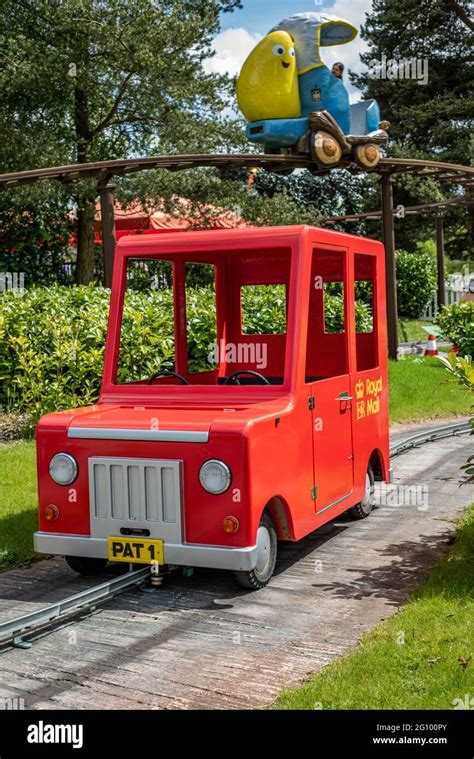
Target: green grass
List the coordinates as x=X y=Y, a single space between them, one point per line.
x=391 y=668
x=421 y=389
x=18 y=503
x=410 y=330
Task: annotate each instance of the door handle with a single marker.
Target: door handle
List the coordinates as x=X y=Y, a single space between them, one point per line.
x=344 y=397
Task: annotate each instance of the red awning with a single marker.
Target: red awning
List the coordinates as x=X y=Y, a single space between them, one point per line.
x=137 y=220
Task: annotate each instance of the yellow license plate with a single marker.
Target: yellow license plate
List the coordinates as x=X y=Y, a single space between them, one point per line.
x=136 y=550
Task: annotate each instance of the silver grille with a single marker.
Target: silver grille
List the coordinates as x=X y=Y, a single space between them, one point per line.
x=139 y=493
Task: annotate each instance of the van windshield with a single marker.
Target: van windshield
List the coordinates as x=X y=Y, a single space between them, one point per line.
x=217 y=319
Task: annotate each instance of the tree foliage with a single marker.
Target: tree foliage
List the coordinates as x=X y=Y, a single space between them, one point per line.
x=87 y=80
x=433 y=120
x=35 y=228
x=436 y=117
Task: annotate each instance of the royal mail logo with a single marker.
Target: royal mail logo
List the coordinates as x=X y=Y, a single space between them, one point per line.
x=368 y=397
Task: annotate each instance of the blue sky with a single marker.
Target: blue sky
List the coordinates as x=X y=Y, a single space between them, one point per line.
x=260 y=15
x=242 y=30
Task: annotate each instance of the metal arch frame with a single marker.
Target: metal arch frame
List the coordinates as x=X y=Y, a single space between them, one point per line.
x=105 y=171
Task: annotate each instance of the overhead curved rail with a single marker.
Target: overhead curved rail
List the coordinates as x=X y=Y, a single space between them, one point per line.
x=105 y=170
x=120 y=167
x=437 y=208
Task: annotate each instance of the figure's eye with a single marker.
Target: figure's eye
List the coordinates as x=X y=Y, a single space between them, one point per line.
x=278 y=50
x=292 y=52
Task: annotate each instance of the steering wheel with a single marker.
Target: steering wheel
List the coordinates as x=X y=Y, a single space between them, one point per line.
x=232 y=378
x=168 y=373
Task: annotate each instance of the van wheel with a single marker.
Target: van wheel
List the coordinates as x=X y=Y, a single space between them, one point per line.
x=362 y=509
x=86 y=566
x=266 y=557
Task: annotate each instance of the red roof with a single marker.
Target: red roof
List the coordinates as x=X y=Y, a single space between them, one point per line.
x=137 y=220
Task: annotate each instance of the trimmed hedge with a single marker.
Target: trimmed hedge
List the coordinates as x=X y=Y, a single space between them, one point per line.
x=416 y=282
x=52 y=339
x=456 y=322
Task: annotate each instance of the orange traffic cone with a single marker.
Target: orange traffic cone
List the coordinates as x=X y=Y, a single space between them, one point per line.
x=431 y=349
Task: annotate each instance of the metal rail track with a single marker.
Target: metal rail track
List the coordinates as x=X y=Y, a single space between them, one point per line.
x=102 y=170
x=428 y=436
x=11 y=632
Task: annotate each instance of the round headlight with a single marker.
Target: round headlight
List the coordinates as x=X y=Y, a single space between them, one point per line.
x=215 y=476
x=63 y=468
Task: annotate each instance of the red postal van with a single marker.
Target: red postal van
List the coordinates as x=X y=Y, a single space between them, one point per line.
x=271 y=423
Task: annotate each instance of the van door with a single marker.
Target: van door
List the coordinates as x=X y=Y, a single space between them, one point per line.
x=332 y=446
x=328 y=378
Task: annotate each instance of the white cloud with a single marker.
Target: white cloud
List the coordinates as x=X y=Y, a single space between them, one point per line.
x=354 y=12
x=231 y=49
x=234 y=45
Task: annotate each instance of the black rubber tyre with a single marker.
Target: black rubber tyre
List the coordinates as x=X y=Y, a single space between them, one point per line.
x=362 y=509
x=86 y=566
x=257 y=578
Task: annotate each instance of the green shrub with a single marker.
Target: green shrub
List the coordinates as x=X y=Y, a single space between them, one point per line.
x=147 y=340
x=457 y=325
x=416 y=282
x=52 y=339
x=263 y=309
x=51 y=347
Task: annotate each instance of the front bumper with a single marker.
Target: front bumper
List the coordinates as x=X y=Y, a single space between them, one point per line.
x=186 y=555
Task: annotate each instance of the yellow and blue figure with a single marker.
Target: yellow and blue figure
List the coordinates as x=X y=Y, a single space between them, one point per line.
x=273 y=124
x=267 y=87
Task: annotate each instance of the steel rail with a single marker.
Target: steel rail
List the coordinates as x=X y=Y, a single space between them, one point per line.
x=12 y=631
x=14 y=628
x=444 y=205
x=104 y=170
x=428 y=436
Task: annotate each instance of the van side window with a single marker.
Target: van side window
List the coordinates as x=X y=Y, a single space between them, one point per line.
x=263 y=309
x=365 y=312
x=327 y=349
x=333 y=300
x=201 y=319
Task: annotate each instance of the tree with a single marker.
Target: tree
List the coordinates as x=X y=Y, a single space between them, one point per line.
x=416 y=282
x=35 y=229
x=335 y=194
x=433 y=120
x=200 y=196
x=436 y=117
x=89 y=80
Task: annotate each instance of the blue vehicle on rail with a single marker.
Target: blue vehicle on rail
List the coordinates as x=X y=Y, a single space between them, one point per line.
x=294 y=103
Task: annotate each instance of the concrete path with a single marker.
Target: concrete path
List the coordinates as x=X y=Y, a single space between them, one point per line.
x=202 y=643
